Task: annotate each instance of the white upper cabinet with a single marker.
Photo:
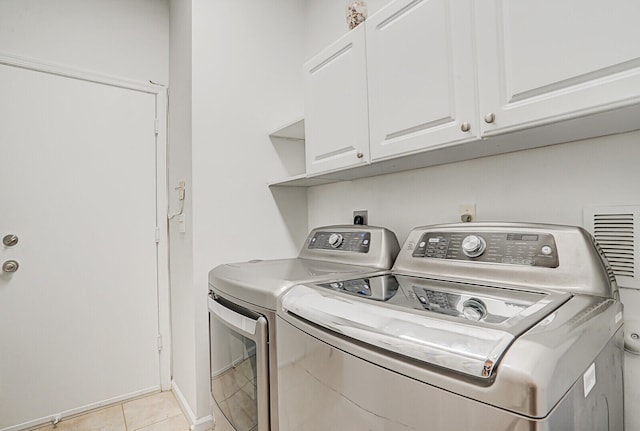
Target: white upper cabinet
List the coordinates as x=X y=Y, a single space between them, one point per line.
x=336 y=112
x=545 y=61
x=424 y=82
x=420 y=67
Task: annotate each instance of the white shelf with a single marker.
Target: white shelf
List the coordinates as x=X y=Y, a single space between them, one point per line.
x=288 y=140
x=301 y=181
x=293 y=131
x=605 y=123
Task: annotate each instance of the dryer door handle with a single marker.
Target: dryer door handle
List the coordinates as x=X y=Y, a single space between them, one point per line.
x=236 y=321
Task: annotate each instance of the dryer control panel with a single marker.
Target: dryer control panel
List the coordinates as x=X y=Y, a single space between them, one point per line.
x=512 y=248
x=354 y=241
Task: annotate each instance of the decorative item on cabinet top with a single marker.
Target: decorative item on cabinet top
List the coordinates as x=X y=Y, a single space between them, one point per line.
x=356 y=13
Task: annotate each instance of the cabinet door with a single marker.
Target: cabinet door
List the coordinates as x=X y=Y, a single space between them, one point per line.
x=421 y=75
x=543 y=61
x=336 y=115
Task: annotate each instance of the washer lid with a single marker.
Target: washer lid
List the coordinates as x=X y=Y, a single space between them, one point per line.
x=260 y=282
x=457 y=326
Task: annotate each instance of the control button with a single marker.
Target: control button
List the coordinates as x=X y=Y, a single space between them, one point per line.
x=474 y=309
x=422 y=299
x=473 y=245
x=336 y=240
x=365 y=242
x=422 y=244
x=546 y=250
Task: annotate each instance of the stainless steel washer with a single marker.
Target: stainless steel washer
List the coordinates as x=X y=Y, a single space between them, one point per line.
x=242 y=306
x=482 y=327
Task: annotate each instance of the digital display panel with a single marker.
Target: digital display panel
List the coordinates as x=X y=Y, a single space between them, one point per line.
x=521 y=237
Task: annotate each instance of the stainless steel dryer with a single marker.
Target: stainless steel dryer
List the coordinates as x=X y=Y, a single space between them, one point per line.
x=501 y=327
x=242 y=304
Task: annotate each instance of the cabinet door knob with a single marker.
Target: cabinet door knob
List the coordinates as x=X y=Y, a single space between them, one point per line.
x=490 y=118
x=359 y=155
x=465 y=127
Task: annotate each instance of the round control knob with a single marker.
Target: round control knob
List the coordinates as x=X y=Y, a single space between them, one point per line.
x=473 y=245
x=474 y=309
x=335 y=240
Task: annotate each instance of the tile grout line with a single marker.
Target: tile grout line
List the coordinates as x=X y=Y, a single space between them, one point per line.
x=124 y=418
x=155 y=423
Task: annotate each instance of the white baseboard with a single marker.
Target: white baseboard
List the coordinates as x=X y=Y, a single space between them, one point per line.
x=195 y=424
x=82 y=409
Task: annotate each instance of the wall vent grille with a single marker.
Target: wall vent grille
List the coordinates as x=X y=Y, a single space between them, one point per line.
x=616 y=231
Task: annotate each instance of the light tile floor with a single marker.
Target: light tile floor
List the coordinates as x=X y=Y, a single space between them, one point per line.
x=158 y=412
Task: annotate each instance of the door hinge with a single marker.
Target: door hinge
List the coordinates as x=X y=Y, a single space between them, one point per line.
x=156 y=125
x=157 y=235
x=159 y=342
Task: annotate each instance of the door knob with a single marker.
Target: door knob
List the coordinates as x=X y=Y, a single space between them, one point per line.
x=10 y=266
x=10 y=240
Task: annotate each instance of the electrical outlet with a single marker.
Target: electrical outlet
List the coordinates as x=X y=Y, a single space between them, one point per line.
x=358 y=214
x=467 y=212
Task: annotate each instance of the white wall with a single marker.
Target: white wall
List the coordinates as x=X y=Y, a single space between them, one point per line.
x=121 y=38
x=550 y=184
x=183 y=299
x=246 y=81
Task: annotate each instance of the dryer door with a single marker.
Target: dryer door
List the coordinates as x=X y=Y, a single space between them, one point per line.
x=239 y=365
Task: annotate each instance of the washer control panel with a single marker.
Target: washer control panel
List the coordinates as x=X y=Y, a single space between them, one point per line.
x=511 y=248
x=357 y=242
x=378 y=288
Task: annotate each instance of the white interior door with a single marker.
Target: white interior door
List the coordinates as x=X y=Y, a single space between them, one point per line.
x=79 y=318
